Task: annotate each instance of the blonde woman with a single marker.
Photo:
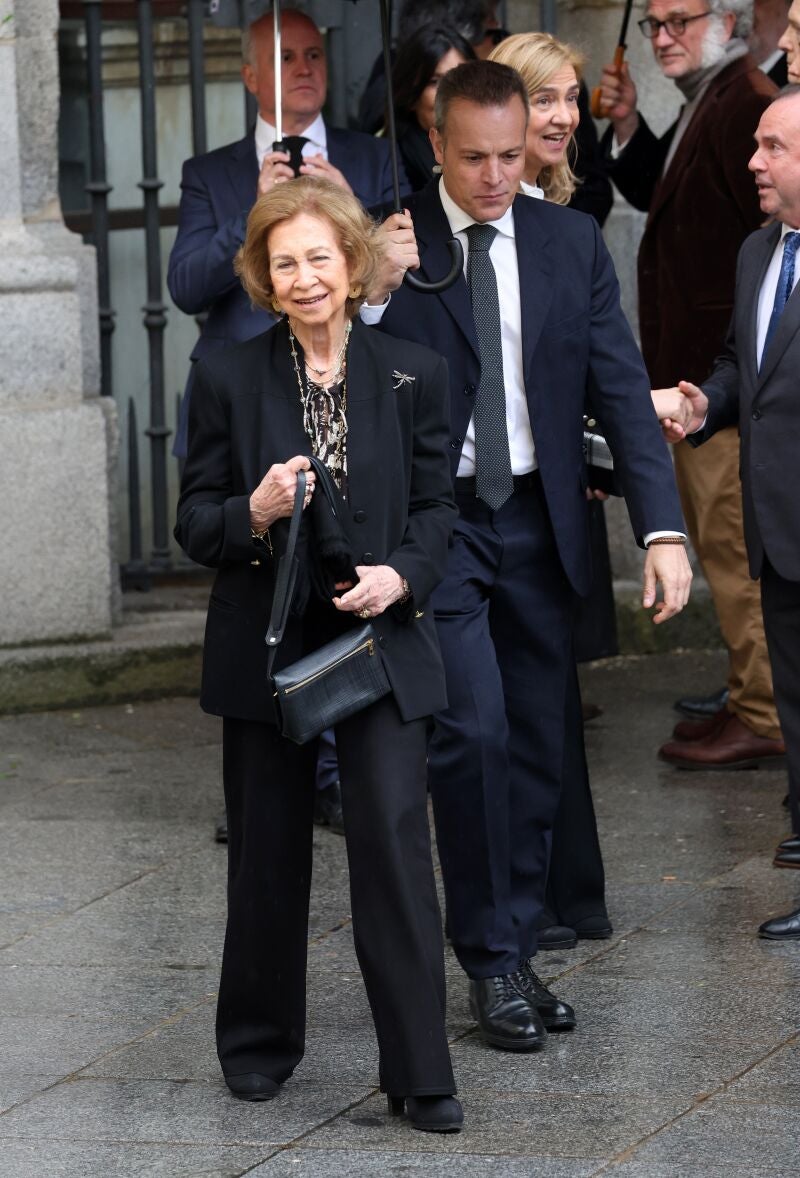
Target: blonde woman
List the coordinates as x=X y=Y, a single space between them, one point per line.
x=562 y=139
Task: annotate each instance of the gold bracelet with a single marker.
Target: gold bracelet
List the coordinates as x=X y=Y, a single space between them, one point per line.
x=264 y=537
x=406 y=594
x=667 y=540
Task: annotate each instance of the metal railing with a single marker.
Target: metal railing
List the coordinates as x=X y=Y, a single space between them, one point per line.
x=138 y=570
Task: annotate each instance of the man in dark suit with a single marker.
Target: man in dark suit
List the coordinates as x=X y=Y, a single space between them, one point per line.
x=218 y=189
x=693 y=183
x=537 y=322
x=754 y=386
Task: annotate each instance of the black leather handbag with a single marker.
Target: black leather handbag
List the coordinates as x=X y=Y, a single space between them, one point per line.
x=343 y=676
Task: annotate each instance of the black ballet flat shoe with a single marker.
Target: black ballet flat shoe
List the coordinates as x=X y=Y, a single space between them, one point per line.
x=252 y=1086
x=431 y=1114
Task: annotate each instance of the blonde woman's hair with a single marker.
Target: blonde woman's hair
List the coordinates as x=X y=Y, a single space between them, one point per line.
x=356 y=233
x=536 y=57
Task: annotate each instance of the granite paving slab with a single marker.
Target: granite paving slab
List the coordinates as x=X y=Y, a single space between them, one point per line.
x=512 y=1123
x=125 y=1159
x=198 y=1112
x=355 y=1163
x=112 y=892
x=726 y=1132
x=776 y=1080
x=634 y=1062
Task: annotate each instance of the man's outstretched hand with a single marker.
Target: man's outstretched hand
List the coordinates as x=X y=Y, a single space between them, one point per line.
x=681 y=410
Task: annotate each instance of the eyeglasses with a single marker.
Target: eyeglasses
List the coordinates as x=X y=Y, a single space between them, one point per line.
x=675 y=25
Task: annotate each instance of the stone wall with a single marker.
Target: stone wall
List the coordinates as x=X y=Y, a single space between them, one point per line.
x=57 y=439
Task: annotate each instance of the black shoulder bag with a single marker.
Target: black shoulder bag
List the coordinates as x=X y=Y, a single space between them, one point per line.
x=343 y=676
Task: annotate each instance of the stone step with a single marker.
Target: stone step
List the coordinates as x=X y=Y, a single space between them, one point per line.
x=156 y=651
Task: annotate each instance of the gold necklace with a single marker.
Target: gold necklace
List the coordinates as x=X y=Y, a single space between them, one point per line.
x=327 y=429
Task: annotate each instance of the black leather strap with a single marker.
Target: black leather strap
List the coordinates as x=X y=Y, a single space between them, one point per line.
x=287 y=575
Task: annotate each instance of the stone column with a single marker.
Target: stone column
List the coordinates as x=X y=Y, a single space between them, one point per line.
x=57 y=436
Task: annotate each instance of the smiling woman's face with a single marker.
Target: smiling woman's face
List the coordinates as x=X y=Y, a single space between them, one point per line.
x=554 y=117
x=309 y=270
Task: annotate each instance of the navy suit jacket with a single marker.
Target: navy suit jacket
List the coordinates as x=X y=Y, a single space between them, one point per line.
x=576 y=344
x=217 y=192
x=763 y=403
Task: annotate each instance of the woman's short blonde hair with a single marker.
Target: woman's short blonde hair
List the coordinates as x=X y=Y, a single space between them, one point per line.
x=355 y=231
x=536 y=57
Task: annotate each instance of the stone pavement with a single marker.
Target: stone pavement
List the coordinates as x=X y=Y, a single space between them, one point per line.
x=685 y=1061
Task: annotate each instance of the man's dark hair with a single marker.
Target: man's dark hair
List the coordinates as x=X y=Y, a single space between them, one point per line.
x=486 y=83
x=469 y=17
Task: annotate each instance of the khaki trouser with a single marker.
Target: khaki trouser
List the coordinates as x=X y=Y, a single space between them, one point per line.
x=711 y=496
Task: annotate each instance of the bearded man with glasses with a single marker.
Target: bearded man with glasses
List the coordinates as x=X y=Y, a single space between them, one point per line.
x=694 y=184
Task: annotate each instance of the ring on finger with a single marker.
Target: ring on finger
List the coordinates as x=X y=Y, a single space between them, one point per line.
x=363 y=613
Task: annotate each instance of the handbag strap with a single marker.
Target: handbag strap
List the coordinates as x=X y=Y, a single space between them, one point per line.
x=287 y=576
x=326 y=483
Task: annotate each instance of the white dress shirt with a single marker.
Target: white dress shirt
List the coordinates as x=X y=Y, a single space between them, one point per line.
x=766 y=296
x=503 y=255
x=315 y=133
x=531 y=189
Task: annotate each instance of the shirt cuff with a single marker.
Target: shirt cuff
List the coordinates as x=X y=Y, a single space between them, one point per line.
x=617 y=148
x=372 y=315
x=655 y=535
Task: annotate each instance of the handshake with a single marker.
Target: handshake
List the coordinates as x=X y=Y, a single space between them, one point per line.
x=681 y=410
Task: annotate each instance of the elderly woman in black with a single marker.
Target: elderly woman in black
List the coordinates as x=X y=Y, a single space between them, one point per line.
x=374 y=410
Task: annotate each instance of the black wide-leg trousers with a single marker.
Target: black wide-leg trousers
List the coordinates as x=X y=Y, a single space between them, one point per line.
x=269 y=794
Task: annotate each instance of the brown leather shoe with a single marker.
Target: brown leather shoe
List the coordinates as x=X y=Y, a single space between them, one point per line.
x=731 y=746
x=699 y=729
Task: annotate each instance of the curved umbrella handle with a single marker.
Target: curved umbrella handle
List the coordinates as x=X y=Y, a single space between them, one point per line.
x=456 y=252
x=457 y=268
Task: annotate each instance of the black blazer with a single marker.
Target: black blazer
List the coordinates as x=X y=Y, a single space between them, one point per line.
x=575 y=342
x=764 y=404
x=245 y=415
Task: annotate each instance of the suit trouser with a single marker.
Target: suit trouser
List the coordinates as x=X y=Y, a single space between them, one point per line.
x=711 y=496
x=576 y=880
x=503 y=615
x=269 y=792
x=781 y=600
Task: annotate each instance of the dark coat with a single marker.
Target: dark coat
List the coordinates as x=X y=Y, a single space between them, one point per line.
x=245 y=416
x=765 y=406
x=699 y=213
x=575 y=338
